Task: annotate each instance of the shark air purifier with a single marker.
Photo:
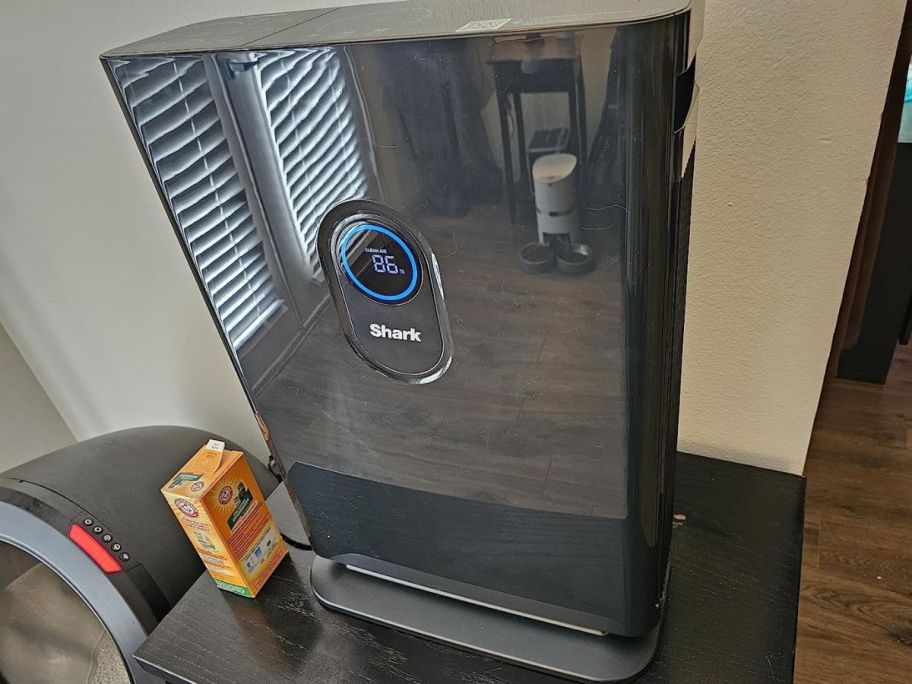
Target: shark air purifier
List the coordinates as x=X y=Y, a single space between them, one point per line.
x=481 y=446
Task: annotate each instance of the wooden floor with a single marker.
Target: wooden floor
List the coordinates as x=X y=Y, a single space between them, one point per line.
x=855 y=615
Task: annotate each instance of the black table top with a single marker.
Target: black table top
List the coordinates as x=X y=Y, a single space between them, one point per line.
x=731 y=611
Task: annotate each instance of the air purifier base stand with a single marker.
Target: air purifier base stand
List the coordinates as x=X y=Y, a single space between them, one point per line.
x=550 y=648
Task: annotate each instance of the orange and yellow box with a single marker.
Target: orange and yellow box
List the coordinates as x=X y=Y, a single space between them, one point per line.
x=219 y=504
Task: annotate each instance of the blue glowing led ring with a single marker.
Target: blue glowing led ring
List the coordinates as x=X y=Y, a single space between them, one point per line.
x=343 y=254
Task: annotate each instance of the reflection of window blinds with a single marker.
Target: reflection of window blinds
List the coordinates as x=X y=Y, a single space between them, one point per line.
x=315 y=136
x=171 y=103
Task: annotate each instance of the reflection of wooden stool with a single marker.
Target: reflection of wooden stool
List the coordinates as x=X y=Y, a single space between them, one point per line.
x=557 y=69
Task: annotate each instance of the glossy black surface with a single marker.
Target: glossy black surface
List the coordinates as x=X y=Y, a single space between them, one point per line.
x=731 y=613
x=542 y=398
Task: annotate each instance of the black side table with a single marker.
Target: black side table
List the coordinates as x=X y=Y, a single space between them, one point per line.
x=546 y=65
x=731 y=613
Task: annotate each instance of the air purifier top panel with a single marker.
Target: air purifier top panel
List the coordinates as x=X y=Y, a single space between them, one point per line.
x=398 y=21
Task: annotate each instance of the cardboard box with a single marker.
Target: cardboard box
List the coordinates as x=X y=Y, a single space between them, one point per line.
x=219 y=504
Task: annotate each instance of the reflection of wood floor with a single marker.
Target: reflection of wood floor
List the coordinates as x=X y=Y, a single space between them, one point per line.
x=531 y=413
x=855 y=615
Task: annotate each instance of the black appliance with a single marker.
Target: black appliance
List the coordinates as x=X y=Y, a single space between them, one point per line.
x=481 y=454
x=91 y=556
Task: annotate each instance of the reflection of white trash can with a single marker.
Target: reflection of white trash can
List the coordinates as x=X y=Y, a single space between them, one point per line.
x=554 y=180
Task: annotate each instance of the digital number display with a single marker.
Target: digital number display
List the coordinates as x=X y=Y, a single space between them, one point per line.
x=385 y=263
x=379 y=263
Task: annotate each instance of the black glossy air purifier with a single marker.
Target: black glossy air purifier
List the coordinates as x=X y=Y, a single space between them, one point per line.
x=472 y=391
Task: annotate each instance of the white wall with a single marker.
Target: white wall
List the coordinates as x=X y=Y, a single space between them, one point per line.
x=792 y=98
x=29 y=424
x=95 y=290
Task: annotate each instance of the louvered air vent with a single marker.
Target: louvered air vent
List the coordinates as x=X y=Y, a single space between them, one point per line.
x=172 y=106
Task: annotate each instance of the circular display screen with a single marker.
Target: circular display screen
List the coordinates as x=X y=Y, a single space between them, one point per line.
x=378 y=262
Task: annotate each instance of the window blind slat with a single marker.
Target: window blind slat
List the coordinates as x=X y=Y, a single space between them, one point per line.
x=248 y=327
x=321 y=143
x=313 y=98
x=182 y=158
x=170 y=101
x=199 y=172
x=253 y=304
x=224 y=251
x=315 y=136
x=164 y=117
x=301 y=174
x=214 y=204
x=279 y=76
x=333 y=176
x=214 y=177
x=163 y=73
x=230 y=280
x=209 y=226
x=186 y=134
x=240 y=298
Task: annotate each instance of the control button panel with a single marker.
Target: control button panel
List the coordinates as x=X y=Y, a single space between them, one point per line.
x=387 y=290
x=92 y=537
